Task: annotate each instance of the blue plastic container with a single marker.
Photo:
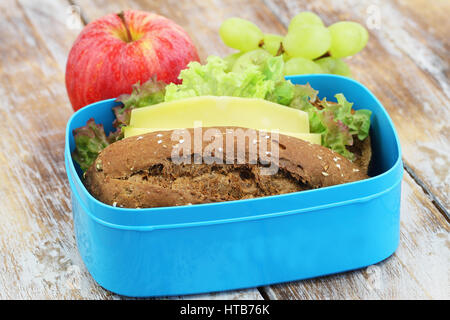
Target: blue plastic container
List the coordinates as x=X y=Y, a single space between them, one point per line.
x=245 y=243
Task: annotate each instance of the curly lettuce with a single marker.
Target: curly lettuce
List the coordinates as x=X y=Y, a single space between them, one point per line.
x=337 y=122
x=212 y=79
x=89 y=141
x=142 y=95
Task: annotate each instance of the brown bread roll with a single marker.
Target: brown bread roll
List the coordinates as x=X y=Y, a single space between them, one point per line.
x=139 y=172
x=363 y=153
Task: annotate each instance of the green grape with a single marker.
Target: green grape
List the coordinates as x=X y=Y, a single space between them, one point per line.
x=334 y=66
x=310 y=41
x=256 y=57
x=231 y=59
x=305 y=18
x=301 y=66
x=240 y=34
x=272 y=43
x=347 y=38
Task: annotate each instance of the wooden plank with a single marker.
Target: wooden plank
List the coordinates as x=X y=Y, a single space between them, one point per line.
x=406 y=66
x=417 y=270
x=39 y=256
x=41 y=259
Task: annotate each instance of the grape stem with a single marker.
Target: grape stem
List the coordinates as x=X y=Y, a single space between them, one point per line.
x=326 y=54
x=280 y=50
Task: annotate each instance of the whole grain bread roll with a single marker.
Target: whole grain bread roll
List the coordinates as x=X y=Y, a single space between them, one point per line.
x=140 y=172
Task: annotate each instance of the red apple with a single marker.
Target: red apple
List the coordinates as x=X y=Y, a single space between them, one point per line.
x=116 y=51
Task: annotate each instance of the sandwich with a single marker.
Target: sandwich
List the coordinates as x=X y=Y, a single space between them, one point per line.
x=288 y=139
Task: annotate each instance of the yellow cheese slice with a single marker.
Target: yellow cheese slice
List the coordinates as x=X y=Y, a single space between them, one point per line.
x=310 y=137
x=211 y=111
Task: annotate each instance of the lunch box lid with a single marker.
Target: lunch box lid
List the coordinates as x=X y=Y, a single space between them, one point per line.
x=386 y=171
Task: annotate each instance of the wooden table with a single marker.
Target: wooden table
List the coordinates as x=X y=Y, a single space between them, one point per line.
x=406 y=65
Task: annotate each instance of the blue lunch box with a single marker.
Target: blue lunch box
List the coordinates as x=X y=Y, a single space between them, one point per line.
x=245 y=243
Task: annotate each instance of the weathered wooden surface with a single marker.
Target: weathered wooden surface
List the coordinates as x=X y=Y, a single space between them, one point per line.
x=417 y=270
x=405 y=65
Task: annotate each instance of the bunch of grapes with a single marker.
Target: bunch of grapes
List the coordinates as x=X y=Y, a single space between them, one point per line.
x=308 y=46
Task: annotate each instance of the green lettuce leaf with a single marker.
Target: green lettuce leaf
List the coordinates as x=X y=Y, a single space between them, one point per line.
x=89 y=141
x=149 y=93
x=273 y=69
x=283 y=93
x=284 y=90
x=337 y=135
x=212 y=79
x=337 y=122
x=357 y=121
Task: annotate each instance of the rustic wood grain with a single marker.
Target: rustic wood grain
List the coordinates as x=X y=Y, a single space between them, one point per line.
x=39 y=257
x=417 y=270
